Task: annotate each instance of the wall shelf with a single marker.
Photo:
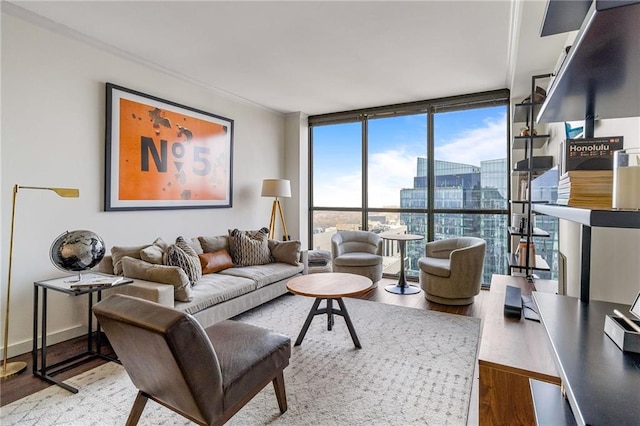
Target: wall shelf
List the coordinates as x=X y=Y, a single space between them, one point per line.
x=541 y=264
x=537 y=232
x=520 y=142
x=599 y=77
x=588 y=218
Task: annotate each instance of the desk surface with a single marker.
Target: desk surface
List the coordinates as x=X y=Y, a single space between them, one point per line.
x=520 y=346
x=601 y=381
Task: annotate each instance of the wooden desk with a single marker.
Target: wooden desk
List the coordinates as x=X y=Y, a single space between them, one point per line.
x=511 y=352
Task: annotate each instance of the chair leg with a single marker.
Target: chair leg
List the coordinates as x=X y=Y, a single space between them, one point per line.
x=136 y=410
x=281 y=394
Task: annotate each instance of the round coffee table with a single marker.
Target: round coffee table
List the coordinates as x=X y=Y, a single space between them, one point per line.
x=329 y=286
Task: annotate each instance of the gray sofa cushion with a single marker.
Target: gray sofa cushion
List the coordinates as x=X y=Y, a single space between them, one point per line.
x=211 y=244
x=264 y=275
x=285 y=251
x=212 y=289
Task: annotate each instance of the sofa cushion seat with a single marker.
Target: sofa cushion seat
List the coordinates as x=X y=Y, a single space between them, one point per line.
x=212 y=289
x=357 y=259
x=263 y=275
x=435 y=266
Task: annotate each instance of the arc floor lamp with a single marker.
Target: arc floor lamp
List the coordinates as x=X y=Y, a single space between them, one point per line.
x=276 y=188
x=11 y=368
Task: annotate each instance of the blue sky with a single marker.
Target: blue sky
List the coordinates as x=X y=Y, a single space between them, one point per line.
x=394 y=143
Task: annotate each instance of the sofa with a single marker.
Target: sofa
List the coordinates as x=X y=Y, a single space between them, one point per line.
x=212 y=278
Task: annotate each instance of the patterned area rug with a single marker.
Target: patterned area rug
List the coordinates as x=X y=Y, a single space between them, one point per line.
x=415 y=367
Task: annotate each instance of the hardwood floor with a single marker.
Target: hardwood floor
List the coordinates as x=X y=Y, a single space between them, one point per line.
x=24 y=384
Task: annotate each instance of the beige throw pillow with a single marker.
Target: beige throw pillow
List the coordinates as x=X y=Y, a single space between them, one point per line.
x=285 y=251
x=249 y=247
x=155 y=252
x=119 y=252
x=173 y=275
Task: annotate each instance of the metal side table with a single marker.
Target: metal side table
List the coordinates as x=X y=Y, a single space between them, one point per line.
x=63 y=285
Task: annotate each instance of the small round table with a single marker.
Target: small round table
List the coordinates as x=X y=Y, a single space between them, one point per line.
x=402 y=287
x=329 y=286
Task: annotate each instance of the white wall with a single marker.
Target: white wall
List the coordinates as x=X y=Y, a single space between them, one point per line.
x=615 y=253
x=53 y=116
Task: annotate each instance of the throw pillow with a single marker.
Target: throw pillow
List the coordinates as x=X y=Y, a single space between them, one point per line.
x=194 y=243
x=211 y=244
x=285 y=251
x=155 y=252
x=249 y=247
x=181 y=254
x=216 y=261
x=173 y=275
x=118 y=252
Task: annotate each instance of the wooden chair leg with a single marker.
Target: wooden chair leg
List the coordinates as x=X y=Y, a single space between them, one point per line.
x=281 y=394
x=138 y=407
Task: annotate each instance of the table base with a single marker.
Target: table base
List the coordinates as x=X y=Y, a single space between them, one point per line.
x=406 y=289
x=330 y=311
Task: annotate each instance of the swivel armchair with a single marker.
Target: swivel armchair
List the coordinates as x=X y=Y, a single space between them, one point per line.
x=451 y=270
x=357 y=252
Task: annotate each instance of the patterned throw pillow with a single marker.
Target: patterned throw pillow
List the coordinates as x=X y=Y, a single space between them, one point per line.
x=181 y=254
x=249 y=247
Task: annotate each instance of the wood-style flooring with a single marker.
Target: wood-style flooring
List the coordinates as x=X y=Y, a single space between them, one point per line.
x=21 y=385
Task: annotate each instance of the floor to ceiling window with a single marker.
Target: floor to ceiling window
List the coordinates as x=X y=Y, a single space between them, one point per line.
x=438 y=169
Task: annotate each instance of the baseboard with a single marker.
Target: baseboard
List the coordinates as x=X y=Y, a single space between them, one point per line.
x=53 y=338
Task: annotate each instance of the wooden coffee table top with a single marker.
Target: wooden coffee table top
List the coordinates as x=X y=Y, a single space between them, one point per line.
x=329 y=285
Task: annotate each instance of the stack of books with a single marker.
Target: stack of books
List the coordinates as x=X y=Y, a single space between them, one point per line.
x=589 y=189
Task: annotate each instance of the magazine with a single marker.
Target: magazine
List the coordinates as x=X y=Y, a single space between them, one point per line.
x=88 y=281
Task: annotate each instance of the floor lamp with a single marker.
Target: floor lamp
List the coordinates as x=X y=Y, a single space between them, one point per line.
x=11 y=368
x=276 y=188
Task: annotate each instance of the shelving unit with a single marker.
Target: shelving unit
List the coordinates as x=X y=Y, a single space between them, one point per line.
x=526 y=112
x=587 y=219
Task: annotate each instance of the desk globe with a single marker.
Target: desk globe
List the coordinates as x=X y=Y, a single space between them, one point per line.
x=77 y=251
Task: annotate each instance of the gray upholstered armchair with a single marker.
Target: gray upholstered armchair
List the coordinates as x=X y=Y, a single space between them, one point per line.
x=206 y=375
x=357 y=252
x=451 y=271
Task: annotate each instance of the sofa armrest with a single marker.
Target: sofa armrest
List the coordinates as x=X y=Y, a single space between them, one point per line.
x=148 y=290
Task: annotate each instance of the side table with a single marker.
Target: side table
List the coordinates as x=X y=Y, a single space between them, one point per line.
x=402 y=287
x=63 y=285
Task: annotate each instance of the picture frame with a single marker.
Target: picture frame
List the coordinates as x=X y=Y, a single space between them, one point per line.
x=162 y=155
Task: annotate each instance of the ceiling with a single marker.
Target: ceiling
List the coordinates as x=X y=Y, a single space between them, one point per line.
x=318 y=57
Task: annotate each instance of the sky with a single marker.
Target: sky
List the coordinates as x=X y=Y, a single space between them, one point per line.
x=466 y=137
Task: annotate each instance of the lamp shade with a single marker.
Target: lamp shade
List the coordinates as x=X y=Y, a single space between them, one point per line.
x=276 y=188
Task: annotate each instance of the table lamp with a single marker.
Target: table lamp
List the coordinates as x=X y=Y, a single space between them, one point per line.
x=11 y=368
x=276 y=188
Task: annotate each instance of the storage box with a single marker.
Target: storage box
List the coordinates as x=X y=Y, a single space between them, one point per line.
x=622 y=334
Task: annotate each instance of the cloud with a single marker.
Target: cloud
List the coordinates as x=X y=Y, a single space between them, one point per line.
x=474 y=145
x=394 y=169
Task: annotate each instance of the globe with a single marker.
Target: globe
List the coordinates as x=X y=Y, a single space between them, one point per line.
x=77 y=250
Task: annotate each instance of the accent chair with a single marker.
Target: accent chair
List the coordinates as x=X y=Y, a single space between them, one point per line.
x=451 y=270
x=357 y=252
x=205 y=375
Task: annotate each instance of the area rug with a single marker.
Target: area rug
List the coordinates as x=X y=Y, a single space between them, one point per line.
x=415 y=368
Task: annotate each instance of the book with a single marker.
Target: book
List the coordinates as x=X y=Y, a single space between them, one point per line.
x=590 y=153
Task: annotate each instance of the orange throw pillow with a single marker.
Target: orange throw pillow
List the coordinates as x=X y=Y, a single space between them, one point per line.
x=216 y=261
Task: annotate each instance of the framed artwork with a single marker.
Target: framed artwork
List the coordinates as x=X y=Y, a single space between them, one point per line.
x=162 y=155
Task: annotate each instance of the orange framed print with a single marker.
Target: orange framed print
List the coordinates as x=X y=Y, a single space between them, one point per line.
x=162 y=155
